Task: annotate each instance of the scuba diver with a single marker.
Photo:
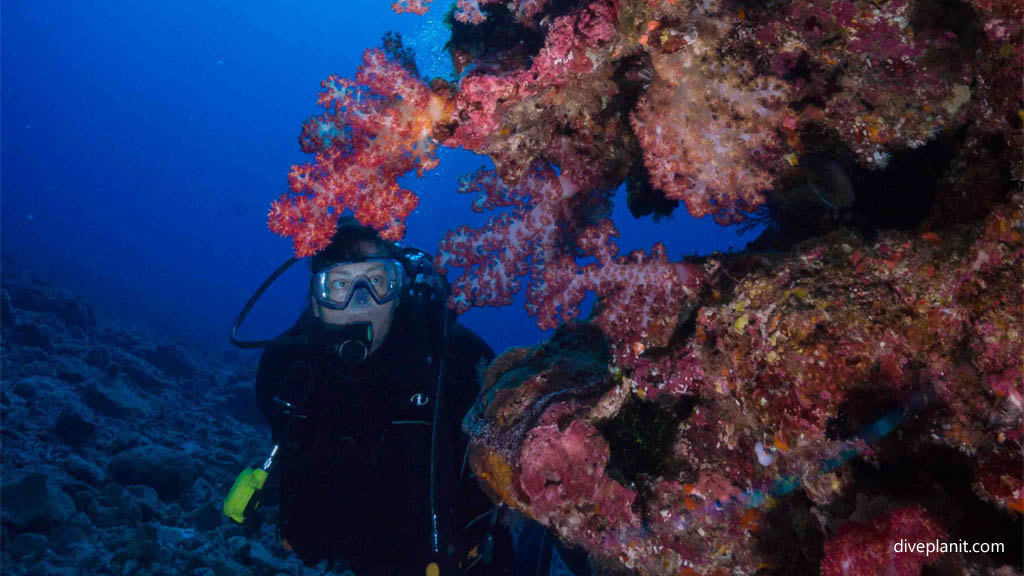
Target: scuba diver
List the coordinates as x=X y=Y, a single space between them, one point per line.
x=365 y=396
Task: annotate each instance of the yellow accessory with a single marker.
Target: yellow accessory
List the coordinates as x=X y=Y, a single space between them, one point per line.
x=433 y=569
x=247 y=485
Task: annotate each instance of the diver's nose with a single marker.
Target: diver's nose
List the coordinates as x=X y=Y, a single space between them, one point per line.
x=361 y=297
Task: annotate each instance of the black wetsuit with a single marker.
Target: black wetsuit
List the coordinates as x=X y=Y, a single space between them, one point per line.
x=354 y=471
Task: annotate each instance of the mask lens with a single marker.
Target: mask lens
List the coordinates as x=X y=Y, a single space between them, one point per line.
x=338 y=287
x=380 y=280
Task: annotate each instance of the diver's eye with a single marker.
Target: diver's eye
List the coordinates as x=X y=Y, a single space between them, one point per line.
x=375 y=280
x=339 y=284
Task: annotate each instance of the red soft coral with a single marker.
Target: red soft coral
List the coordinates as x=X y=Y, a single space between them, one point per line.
x=374 y=129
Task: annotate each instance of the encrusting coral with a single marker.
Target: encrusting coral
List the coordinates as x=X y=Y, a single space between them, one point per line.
x=799 y=381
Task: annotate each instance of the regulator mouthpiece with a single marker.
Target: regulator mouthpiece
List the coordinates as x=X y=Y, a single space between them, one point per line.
x=355 y=340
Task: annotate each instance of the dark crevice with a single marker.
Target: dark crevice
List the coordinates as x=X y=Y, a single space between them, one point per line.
x=641 y=437
x=498 y=44
x=831 y=190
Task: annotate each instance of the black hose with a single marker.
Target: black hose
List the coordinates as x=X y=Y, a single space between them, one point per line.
x=252 y=302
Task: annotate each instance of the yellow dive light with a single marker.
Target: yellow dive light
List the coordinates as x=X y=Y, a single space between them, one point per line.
x=243 y=497
x=247 y=485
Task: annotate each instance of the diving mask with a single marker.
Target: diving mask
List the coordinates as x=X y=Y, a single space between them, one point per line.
x=381 y=278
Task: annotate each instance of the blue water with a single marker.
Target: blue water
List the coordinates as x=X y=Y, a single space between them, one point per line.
x=142 y=144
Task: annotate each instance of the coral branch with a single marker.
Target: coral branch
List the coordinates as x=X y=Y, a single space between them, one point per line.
x=642 y=293
x=411 y=6
x=374 y=129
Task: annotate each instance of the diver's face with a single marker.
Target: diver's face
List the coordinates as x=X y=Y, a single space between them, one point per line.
x=361 y=307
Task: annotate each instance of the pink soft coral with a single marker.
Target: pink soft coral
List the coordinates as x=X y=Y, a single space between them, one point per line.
x=708 y=125
x=537 y=238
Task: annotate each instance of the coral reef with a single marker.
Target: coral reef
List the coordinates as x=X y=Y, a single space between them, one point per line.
x=802 y=379
x=716 y=104
x=858 y=380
